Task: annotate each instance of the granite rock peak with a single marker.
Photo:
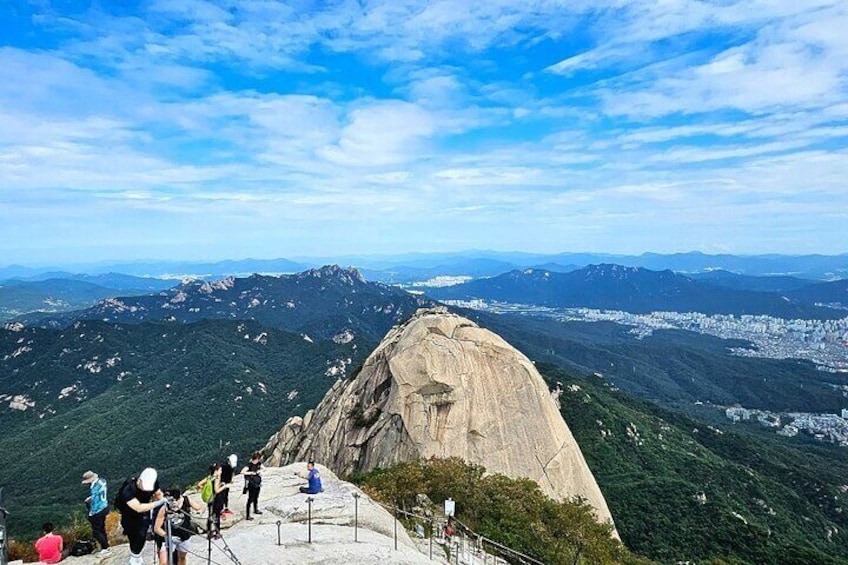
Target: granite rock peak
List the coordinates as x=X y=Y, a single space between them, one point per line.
x=440 y=385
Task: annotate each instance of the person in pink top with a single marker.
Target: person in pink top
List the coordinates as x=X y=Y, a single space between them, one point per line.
x=49 y=546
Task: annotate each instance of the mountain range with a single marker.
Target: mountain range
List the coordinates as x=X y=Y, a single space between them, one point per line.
x=408 y=267
x=631 y=289
x=598 y=286
x=314 y=302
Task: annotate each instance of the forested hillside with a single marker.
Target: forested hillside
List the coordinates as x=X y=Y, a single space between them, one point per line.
x=682 y=491
x=117 y=398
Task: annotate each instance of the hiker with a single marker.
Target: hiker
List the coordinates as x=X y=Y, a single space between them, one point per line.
x=178 y=512
x=313 y=475
x=50 y=546
x=228 y=466
x=98 y=509
x=252 y=473
x=216 y=501
x=447 y=531
x=135 y=501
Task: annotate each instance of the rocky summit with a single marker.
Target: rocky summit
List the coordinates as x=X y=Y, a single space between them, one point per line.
x=439 y=385
x=281 y=534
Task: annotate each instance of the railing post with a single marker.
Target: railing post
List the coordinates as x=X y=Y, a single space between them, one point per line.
x=309 y=517
x=396 y=521
x=432 y=526
x=279 y=539
x=356 y=517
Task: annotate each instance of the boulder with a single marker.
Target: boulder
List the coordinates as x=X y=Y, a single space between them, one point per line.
x=440 y=385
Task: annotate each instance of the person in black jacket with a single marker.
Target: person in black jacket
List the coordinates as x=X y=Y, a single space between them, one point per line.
x=135 y=501
x=228 y=466
x=252 y=483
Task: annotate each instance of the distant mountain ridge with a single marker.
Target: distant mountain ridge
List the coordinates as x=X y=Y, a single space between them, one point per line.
x=116 y=281
x=403 y=268
x=631 y=289
x=18 y=297
x=774 y=283
x=165 y=269
x=314 y=302
x=834 y=292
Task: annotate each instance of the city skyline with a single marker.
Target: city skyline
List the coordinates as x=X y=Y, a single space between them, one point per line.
x=218 y=129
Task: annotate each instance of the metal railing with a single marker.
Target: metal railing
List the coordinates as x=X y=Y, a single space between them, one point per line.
x=464 y=541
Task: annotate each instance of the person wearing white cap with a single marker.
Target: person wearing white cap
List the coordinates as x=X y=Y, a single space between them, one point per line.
x=135 y=501
x=228 y=467
x=98 y=509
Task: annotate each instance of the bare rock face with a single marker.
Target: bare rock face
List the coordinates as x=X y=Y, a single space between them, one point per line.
x=439 y=385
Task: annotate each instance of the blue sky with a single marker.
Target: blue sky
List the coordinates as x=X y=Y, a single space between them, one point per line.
x=227 y=129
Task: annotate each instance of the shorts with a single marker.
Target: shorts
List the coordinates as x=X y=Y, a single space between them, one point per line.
x=179 y=545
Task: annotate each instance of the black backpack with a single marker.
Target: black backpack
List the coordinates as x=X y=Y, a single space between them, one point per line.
x=119 y=503
x=82 y=547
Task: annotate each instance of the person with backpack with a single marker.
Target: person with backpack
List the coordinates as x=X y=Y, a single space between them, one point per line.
x=252 y=483
x=98 y=509
x=178 y=513
x=212 y=489
x=135 y=501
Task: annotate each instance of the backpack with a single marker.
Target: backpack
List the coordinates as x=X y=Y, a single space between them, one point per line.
x=82 y=547
x=119 y=503
x=207 y=493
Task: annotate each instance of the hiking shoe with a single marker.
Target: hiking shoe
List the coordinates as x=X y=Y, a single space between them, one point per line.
x=104 y=552
x=257 y=512
x=250 y=518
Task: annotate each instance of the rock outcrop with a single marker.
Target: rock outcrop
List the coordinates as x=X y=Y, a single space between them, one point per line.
x=439 y=385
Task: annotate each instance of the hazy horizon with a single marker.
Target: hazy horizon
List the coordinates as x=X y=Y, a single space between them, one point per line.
x=213 y=129
x=396 y=258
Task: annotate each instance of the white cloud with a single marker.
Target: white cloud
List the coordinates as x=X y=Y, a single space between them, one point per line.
x=382 y=133
x=486 y=176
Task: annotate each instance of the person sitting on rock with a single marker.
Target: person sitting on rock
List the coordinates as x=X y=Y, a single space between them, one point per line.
x=50 y=546
x=313 y=475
